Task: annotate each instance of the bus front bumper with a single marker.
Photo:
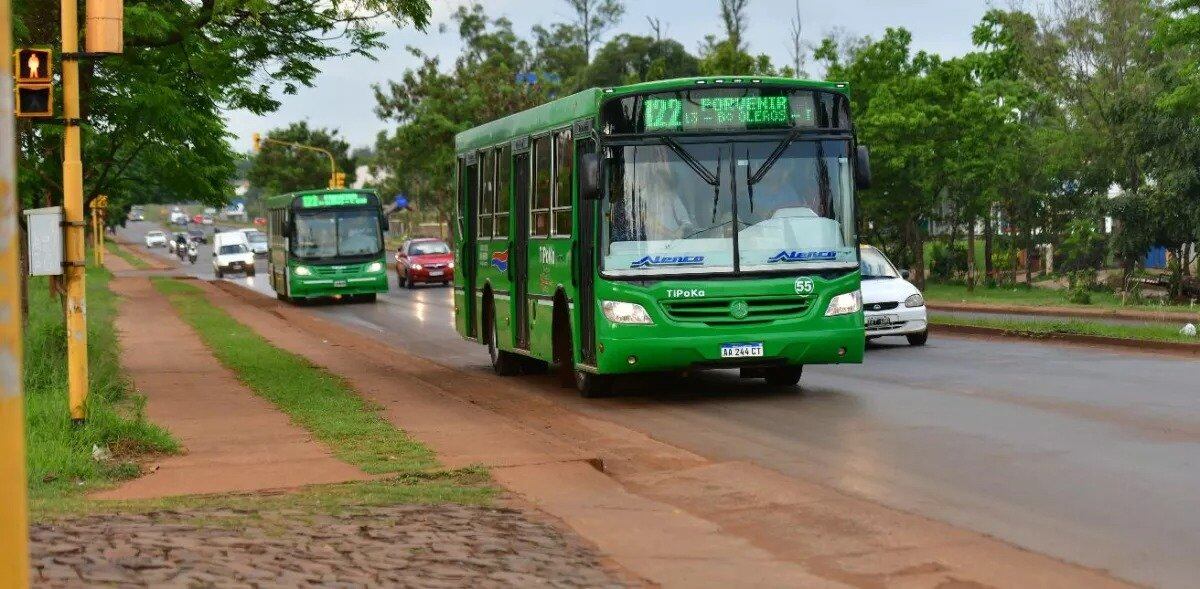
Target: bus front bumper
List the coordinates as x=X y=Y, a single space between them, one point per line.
x=327 y=287
x=834 y=345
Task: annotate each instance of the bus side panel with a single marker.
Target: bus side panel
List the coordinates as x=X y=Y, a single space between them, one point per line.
x=549 y=272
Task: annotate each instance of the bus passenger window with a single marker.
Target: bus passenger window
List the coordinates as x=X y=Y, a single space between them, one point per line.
x=540 y=226
x=503 y=196
x=564 y=157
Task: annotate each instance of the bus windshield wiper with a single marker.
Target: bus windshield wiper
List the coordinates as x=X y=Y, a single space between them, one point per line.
x=699 y=169
x=771 y=160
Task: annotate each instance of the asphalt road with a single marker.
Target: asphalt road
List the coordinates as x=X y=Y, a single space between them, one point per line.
x=1089 y=455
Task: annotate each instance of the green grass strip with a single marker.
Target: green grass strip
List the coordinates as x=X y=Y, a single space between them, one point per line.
x=936 y=292
x=319 y=401
x=1148 y=332
x=59 y=459
x=120 y=252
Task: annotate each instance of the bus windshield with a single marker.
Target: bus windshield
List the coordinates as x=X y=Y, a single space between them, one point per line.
x=336 y=233
x=671 y=207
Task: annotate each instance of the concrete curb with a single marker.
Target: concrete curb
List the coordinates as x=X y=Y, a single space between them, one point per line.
x=1173 y=348
x=1067 y=312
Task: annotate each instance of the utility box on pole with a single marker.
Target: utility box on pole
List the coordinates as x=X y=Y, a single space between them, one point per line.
x=45 y=241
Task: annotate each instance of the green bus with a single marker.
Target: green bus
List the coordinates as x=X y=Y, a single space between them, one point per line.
x=326 y=243
x=664 y=226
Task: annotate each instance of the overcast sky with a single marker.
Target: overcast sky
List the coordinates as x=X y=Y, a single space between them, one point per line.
x=342 y=97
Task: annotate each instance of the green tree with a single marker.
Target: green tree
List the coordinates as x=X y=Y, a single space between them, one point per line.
x=728 y=56
x=430 y=106
x=629 y=59
x=153 y=116
x=592 y=19
x=277 y=169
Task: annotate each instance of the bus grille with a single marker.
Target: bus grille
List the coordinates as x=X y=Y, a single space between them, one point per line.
x=716 y=311
x=336 y=270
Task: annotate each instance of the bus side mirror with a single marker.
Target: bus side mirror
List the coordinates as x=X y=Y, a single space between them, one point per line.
x=384 y=223
x=589 y=176
x=862 y=168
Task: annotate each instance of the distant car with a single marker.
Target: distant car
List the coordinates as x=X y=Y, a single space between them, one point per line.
x=424 y=260
x=137 y=215
x=156 y=238
x=179 y=218
x=258 y=241
x=197 y=235
x=206 y=220
x=891 y=304
x=260 y=220
x=198 y=219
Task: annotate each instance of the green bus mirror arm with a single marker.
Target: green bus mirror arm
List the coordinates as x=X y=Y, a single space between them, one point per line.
x=589 y=176
x=862 y=168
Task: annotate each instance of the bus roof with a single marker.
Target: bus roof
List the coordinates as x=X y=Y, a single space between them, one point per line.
x=283 y=201
x=557 y=113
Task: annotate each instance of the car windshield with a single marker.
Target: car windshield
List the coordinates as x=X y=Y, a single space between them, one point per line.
x=236 y=248
x=154 y=234
x=333 y=233
x=425 y=248
x=256 y=237
x=671 y=207
x=875 y=265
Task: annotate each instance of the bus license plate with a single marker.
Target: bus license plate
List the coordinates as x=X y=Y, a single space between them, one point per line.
x=753 y=350
x=339 y=283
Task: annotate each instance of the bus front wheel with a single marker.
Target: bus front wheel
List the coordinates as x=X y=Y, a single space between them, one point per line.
x=504 y=363
x=593 y=385
x=784 y=376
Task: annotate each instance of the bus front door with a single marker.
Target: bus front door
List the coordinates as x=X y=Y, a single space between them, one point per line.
x=468 y=203
x=519 y=258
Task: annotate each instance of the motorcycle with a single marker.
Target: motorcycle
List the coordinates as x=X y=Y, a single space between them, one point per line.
x=192 y=252
x=181 y=251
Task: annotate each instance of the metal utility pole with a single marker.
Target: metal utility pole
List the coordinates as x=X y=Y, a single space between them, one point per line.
x=74 y=265
x=14 y=518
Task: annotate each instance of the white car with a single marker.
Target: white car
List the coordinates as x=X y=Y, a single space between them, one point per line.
x=258 y=241
x=891 y=304
x=156 y=238
x=231 y=253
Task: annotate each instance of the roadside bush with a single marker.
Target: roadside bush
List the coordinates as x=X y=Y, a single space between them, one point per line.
x=1081 y=284
x=947 y=261
x=1083 y=247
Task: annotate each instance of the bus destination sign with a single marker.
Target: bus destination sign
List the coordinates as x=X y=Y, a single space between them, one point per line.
x=336 y=199
x=727 y=113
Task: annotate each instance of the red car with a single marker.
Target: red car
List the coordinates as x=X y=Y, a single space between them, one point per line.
x=260 y=220
x=424 y=260
x=198 y=219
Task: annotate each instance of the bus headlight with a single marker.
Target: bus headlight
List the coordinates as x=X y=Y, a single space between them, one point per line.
x=626 y=313
x=845 y=304
x=375 y=267
x=915 y=301
x=302 y=271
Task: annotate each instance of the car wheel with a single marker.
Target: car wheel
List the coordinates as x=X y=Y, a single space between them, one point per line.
x=504 y=363
x=220 y=273
x=784 y=376
x=918 y=339
x=593 y=386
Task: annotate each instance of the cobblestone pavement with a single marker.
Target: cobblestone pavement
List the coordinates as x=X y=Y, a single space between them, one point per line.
x=401 y=546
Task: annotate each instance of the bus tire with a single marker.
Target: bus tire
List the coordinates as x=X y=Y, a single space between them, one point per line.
x=593 y=386
x=368 y=298
x=784 y=376
x=503 y=363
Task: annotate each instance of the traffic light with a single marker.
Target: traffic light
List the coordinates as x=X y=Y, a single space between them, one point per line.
x=33 y=67
x=257 y=140
x=338 y=181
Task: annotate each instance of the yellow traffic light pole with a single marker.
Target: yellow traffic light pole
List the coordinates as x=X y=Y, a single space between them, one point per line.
x=73 y=271
x=14 y=524
x=336 y=178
